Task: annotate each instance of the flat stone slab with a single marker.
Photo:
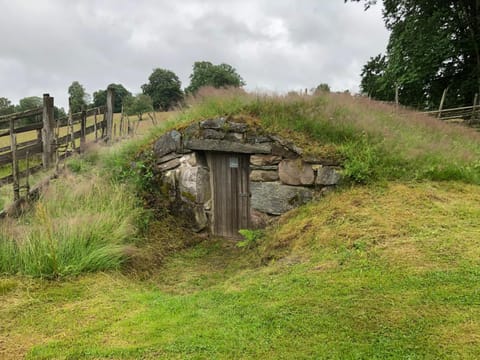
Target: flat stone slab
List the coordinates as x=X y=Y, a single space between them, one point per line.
x=296 y=172
x=226 y=146
x=168 y=143
x=275 y=198
x=169 y=165
x=216 y=124
x=264 y=160
x=327 y=175
x=264 y=175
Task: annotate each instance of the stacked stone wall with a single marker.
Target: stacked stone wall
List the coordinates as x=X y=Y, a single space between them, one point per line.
x=280 y=177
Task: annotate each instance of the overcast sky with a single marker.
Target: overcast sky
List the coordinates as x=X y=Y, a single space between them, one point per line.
x=275 y=45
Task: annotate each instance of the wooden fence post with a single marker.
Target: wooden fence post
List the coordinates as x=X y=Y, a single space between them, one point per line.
x=109 y=114
x=15 y=170
x=95 y=125
x=71 y=129
x=48 y=131
x=473 y=118
x=396 y=95
x=440 y=108
x=83 y=129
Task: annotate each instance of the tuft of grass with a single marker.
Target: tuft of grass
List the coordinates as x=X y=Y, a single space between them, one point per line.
x=81 y=224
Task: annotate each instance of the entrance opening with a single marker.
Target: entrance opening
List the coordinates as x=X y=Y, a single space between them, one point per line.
x=230 y=192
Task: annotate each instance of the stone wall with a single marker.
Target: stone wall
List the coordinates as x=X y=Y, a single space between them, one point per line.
x=281 y=178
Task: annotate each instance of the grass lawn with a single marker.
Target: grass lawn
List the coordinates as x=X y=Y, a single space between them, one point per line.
x=372 y=272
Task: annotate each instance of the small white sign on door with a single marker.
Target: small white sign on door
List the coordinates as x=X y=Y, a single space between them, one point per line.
x=234 y=162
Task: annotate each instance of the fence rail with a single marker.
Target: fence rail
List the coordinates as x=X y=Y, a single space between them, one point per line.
x=468 y=113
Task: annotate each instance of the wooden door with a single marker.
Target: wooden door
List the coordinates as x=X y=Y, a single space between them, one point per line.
x=229 y=175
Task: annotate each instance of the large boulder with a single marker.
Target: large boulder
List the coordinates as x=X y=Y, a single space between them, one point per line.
x=275 y=198
x=327 y=175
x=296 y=172
x=194 y=183
x=169 y=142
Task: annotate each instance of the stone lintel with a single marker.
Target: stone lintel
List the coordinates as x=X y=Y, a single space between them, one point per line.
x=227 y=146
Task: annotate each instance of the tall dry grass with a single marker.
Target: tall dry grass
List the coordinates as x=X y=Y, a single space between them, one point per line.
x=376 y=141
x=81 y=224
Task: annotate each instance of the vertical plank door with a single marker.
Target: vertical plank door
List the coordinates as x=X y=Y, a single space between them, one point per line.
x=231 y=192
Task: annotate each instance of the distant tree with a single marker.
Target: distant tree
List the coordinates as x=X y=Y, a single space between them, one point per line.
x=323 y=87
x=6 y=106
x=59 y=112
x=206 y=74
x=100 y=97
x=28 y=103
x=164 y=88
x=138 y=105
x=375 y=79
x=78 y=97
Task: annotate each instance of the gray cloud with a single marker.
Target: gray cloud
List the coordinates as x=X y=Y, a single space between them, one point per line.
x=275 y=45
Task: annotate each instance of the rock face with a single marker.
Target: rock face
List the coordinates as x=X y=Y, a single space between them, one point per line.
x=227 y=146
x=263 y=175
x=275 y=198
x=265 y=160
x=281 y=177
x=168 y=143
x=194 y=184
x=295 y=172
x=327 y=175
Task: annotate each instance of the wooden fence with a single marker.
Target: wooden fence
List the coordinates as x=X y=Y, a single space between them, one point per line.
x=49 y=144
x=469 y=114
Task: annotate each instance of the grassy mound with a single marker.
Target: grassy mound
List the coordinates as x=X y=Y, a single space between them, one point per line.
x=376 y=141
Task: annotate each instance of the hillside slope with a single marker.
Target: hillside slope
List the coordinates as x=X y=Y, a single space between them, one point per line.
x=387 y=272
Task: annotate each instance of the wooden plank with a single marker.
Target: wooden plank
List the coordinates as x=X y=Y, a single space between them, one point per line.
x=25 y=143
x=21 y=153
x=88 y=130
x=20 y=115
x=9 y=178
x=97 y=110
x=36 y=126
x=444 y=110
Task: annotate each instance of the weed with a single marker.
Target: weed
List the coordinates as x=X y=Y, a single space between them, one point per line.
x=250 y=238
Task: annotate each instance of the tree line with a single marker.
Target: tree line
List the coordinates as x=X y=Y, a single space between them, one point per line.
x=434 y=46
x=162 y=92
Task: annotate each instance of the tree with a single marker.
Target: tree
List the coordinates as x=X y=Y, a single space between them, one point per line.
x=100 y=97
x=375 y=82
x=138 y=105
x=433 y=45
x=29 y=103
x=59 y=113
x=206 y=74
x=164 y=88
x=323 y=87
x=6 y=106
x=78 y=97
